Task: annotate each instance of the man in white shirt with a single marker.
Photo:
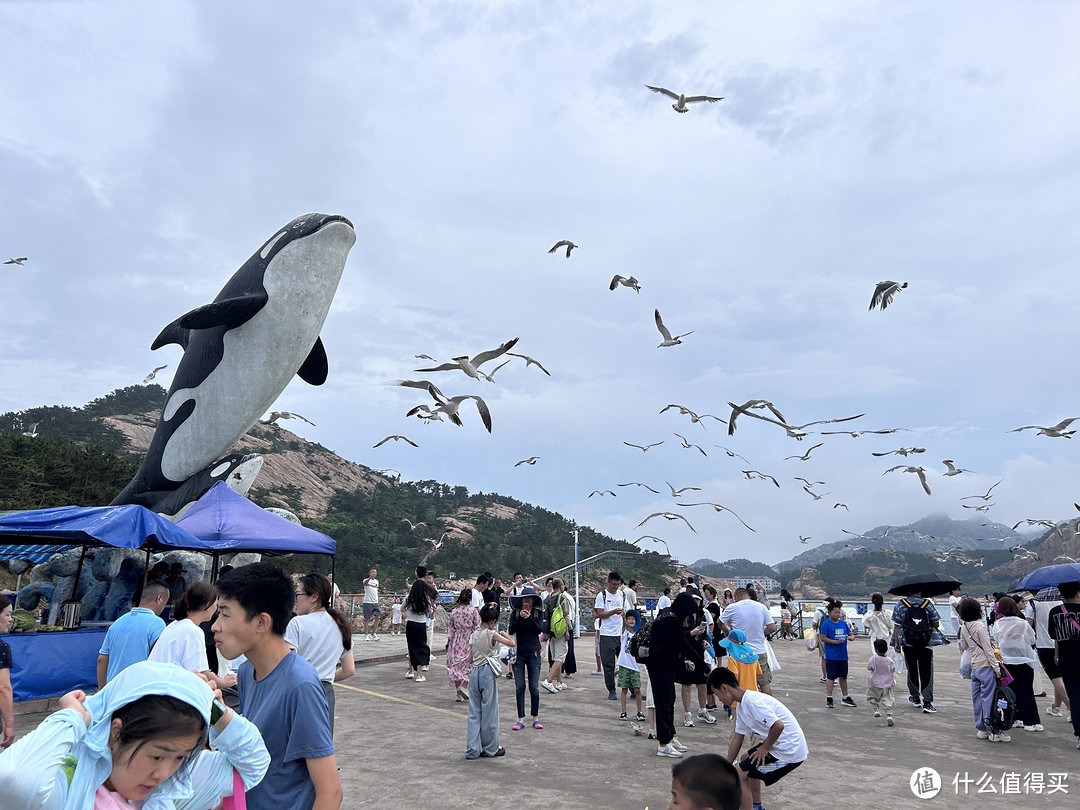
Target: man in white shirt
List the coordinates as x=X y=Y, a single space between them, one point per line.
x=478 y=592
x=783 y=745
x=372 y=614
x=630 y=595
x=665 y=599
x=954 y=600
x=754 y=619
x=609 y=610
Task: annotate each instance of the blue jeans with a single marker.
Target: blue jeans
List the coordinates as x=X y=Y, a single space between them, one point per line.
x=527 y=661
x=483 y=726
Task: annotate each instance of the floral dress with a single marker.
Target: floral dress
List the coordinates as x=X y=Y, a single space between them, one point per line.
x=463 y=620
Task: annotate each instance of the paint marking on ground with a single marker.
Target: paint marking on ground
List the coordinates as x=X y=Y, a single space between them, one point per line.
x=396 y=699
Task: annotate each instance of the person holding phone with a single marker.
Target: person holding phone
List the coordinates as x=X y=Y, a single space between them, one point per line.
x=608 y=610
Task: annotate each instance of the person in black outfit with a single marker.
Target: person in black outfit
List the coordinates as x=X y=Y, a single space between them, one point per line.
x=670 y=652
x=526 y=625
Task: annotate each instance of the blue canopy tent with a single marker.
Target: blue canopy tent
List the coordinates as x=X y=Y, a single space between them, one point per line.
x=227 y=521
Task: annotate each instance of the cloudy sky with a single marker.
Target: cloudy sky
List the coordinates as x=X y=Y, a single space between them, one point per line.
x=146 y=150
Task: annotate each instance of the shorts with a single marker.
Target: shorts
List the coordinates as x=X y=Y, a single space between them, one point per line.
x=372 y=609
x=1046 y=658
x=835 y=669
x=770 y=771
x=557 y=648
x=627 y=678
x=765 y=678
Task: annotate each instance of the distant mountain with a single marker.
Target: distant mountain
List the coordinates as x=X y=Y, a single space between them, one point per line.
x=932 y=533
x=733 y=568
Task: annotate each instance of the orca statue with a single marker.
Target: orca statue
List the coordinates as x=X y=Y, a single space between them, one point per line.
x=240 y=351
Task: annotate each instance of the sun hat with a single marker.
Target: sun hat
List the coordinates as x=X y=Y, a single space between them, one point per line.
x=737 y=647
x=527 y=591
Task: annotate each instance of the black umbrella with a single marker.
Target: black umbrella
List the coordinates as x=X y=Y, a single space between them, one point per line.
x=927 y=584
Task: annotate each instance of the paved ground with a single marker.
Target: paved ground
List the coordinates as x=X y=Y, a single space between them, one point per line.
x=401 y=743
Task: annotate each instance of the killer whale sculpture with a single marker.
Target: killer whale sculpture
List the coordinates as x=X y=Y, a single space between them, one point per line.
x=240 y=351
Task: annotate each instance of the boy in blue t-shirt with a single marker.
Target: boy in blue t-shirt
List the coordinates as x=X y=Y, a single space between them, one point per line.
x=833 y=635
x=279 y=691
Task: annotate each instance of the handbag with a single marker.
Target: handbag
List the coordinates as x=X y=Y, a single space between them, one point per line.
x=1006 y=678
x=238 y=800
x=495 y=664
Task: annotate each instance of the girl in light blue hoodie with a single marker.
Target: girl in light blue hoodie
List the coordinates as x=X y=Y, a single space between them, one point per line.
x=137 y=743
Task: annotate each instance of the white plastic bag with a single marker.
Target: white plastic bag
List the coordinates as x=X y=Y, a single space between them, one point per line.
x=774 y=664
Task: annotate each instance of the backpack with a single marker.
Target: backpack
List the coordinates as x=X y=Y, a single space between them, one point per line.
x=1003 y=710
x=639 y=643
x=917 y=630
x=558 y=625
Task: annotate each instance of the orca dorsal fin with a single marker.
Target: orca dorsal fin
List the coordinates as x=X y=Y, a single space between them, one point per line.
x=315 y=367
x=229 y=312
x=173 y=333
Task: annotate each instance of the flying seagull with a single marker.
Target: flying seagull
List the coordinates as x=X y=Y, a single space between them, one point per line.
x=719 y=508
x=668 y=516
x=919 y=471
x=471 y=367
x=952 y=468
x=857 y=433
x=153 y=373
x=626 y=281
x=413 y=526
x=751 y=403
x=689 y=445
x=424 y=357
x=884 y=293
x=694 y=417
x=644 y=448
x=982 y=507
x=275 y=415
x=1030 y=522
x=794 y=431
x=903 y=451
x=602 y=492
x=529 y=362
x=1057 y=431
x=752 y=474
x=531 y=460
x=32 y=432
x=17 y=261
x=731 y=453
x=836 y=505
x=639 y=484
x=451 y=405
x=675 y=493
x=985 y=497
x=668 y=339
x=566 y=243
x=814 y=495
x=655 y=539
x=806 y=456
x=396 y=438
x=681 y=99
x=804 y=539
x=808 y=484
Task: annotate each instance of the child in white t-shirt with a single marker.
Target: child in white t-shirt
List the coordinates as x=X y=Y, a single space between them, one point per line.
x=627 y=669
x=395 y=618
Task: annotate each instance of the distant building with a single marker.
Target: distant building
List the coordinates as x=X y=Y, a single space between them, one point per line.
x=771 y=585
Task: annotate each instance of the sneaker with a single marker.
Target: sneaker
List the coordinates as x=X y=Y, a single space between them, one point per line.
x=982 y=735
x=688 y=720
x=829 y=703
x=409 y=674
x=652 y=733
x=421 y=679
x=703 y=714
x=877 y=713
x=367 y=637
x=668 y=751
x=1078 y=743
x=847 y=701
x=623 y=716
x=549 y=686
x=425 y=669
x=375 y=637
x=999 y=736
x=1054 y=711
x=560 y=687
x=678 y=746
x=821 y=679
x=1018 y=724
x=928 y=708
x=640 y=717
x=596 y=672
x=500 y=753
x=914 y=701
x=612 y=696
x=1036 y=727
x=888 y=720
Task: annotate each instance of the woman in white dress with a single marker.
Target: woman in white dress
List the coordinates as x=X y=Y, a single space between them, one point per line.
x=321 y=634
x=183 y=642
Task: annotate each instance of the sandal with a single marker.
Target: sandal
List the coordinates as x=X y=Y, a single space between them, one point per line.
x=536 y=724
x=518 y=726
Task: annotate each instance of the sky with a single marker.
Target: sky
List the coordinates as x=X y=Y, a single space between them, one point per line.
x=146 y=150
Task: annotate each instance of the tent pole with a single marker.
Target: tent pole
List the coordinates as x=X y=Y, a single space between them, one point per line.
x=78 y=574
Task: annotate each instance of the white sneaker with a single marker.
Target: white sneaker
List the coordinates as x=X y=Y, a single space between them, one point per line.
x=1000 y=736
x=1054 y=711
x=982 y=735
x=559 y=687
x=549 y=686
x=678 y=746
x=375 y=637
x=367 y=637
x=888 y=720
x=688 y=720
x=421 y=679
x=1035 y=727
x=704 y=715
x=668 y=751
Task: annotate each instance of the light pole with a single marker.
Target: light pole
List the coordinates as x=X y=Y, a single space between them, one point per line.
x=577 y=592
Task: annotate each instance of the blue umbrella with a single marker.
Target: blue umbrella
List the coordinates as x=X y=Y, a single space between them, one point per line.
x=1050 y=575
